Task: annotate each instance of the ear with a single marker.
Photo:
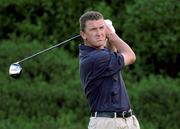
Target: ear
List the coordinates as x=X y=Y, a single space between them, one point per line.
x=83 y=35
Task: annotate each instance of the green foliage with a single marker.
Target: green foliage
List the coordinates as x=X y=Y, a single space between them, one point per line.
x=153 y=28
x=48 y=89
x=38 y=19
x=68 y=121
x=50 y=21
x=102 y=7
x=156 y=99
x=49 y=94
x=145 y=24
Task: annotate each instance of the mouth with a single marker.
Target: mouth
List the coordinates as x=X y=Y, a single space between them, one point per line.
x=100 y=40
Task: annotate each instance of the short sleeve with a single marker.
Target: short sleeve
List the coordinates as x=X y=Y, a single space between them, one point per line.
x=107 y=64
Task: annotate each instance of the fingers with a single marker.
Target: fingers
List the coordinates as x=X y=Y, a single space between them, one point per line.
x=109 y=30
x=109 y=25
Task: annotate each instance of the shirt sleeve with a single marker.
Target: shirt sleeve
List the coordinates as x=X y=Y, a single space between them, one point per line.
x=107 y=64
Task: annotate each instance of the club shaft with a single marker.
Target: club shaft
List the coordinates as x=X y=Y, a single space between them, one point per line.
x=45 y=50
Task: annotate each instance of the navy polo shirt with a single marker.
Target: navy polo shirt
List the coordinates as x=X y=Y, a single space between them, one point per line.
x=101 y=79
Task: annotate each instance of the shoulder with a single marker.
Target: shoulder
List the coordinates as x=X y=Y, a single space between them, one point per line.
x=101 y=54
x=109 y=58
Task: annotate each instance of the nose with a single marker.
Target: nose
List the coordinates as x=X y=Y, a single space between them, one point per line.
x=98 y=32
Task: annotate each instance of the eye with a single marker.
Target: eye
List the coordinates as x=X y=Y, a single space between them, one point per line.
x=101 y=28
x=93 y=29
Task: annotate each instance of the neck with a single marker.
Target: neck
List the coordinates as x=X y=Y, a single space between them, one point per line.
x=100 y=47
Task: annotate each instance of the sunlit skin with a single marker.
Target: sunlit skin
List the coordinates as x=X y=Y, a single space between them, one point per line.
x=94 y=33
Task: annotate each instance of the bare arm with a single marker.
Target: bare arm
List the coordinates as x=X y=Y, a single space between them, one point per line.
x=122 y=47
x=118 y=45
x=110 y=46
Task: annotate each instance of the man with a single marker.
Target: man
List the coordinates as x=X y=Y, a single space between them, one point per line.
x=100 y=74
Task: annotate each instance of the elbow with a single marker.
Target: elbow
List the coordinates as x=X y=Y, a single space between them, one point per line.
x=132 y=58
x=129 y=58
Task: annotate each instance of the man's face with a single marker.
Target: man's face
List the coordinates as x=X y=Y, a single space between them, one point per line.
x=94 y=33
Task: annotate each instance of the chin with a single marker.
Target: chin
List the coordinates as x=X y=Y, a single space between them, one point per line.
x=101 y=46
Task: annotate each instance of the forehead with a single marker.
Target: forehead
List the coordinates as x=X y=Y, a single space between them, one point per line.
x=94 y=23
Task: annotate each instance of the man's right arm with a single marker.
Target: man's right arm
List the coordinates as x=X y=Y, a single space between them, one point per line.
x=122 y=47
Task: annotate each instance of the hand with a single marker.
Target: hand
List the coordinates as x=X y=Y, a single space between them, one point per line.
x=109 y=30
x=109 y=27
x=110 y=46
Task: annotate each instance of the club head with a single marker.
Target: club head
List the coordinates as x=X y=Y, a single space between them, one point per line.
x=15 y=70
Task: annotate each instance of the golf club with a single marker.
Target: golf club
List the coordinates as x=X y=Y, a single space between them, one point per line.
x=15 y=69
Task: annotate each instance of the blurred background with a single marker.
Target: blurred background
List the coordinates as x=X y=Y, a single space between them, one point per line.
x=49 y=94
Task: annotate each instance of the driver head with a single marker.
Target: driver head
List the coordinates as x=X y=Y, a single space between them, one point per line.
x=15 y=70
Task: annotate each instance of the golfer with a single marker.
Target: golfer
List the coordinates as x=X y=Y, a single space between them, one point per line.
x=100 y=73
